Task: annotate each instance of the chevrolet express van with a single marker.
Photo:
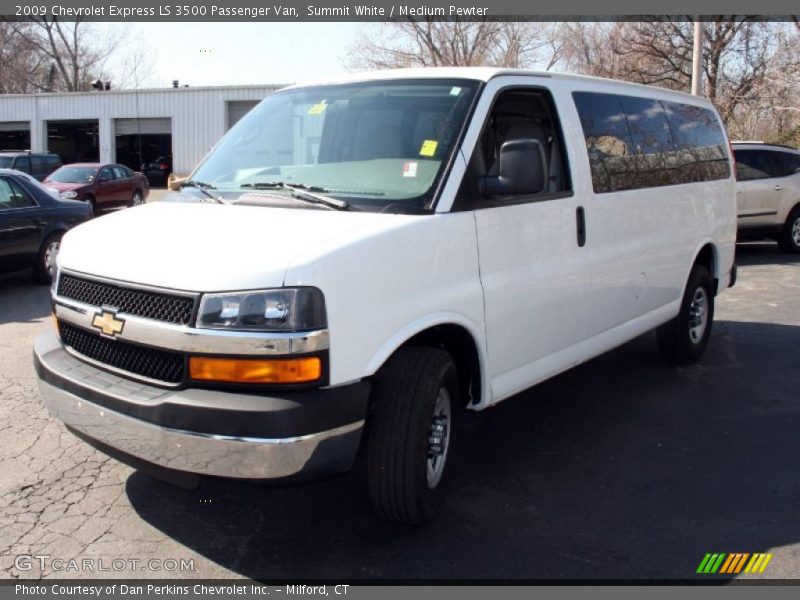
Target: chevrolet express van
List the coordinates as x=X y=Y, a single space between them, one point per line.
x=358 y=261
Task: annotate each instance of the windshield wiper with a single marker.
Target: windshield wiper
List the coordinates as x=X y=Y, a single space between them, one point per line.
x=203 y=187
x=309 y=193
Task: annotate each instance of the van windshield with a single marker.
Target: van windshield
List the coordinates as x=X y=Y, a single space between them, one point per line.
x=371 y=144
x=6 y=162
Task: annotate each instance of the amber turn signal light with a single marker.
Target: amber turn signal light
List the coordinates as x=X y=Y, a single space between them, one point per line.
x=235 y=370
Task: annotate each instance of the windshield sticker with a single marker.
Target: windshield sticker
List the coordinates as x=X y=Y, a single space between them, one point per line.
x=428 y=148
x=318 y=108
x=410 y=169
x=455 y=91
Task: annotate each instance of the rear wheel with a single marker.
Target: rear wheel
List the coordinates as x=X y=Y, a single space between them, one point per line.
x=45 y=267
x=411 y=434
x=789 y=238
x=683 y=340
x=136 y=200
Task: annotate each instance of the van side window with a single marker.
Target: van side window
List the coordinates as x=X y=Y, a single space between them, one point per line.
x=53 y=162
x=636 y=143
x=22 y=163
x=518 y=113
x=38 y=166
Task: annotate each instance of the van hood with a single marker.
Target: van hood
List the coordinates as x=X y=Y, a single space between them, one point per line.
x=207 y=247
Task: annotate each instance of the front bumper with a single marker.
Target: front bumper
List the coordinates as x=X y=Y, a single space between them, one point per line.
x=206 y=432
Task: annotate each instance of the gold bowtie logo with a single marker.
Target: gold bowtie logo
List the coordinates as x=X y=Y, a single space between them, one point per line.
x=108 y=323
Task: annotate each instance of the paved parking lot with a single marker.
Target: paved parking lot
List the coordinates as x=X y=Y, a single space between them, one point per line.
x=620 y=468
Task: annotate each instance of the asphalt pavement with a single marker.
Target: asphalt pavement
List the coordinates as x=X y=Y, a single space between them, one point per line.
x=621 y=468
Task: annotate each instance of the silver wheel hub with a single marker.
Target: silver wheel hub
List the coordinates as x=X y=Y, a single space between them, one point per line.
x=439 y=438
x=796 y=231
x=50 y=255
x=698 y=315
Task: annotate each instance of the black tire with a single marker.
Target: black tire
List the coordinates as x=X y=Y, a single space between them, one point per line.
x=45 y=261
x=789 y=238
x=679 y=340
x=137 y=198
x=405 y=393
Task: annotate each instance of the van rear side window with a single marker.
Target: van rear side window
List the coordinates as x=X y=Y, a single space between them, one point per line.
x=636 y=143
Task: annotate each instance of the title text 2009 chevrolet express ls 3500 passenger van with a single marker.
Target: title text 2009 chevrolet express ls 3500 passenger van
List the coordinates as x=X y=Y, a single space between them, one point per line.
x=356 y=262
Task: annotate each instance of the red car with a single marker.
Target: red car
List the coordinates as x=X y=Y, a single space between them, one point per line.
x=104 y=186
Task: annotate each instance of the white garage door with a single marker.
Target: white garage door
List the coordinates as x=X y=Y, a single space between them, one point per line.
x=143 y=126
x=15 y=126
x=237 y=109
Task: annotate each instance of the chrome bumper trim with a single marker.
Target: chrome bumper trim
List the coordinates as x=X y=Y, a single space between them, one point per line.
x=204 y=453
x=181 y=338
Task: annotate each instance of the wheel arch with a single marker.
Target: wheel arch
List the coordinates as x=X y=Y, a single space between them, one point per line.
x=456 y=336
x=707 y=255
x=791 y=207
x=58 y=227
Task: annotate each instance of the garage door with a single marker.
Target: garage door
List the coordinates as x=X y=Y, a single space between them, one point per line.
x=238 y=109
x=15 y=126
x=143 y=126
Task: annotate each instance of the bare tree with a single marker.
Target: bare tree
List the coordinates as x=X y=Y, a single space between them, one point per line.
x=431 y=43
x=22 y=68
x=61 y=56
x=751 y=67
x=591 y=48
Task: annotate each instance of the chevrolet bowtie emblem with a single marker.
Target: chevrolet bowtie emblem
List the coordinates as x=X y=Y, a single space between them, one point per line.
x=108 y=323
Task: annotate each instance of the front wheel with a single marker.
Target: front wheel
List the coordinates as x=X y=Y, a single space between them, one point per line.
x=683 y=340
x=411 y=434
x=45 y=267
x=137 y=198
x=789 y=238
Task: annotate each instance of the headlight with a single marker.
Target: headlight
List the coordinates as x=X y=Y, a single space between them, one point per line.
x=69 y=194
x=286 y=309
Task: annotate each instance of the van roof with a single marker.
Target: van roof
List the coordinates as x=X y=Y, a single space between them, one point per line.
x=481 y=74
x=762 y=144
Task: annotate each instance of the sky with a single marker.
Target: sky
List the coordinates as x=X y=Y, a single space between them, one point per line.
x=237 y=53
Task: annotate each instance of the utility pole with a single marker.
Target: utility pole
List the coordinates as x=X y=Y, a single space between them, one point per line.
x=697 y=59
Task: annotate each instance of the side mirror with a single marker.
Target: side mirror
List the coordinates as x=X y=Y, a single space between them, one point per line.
x=522 y=169
x=103 y=180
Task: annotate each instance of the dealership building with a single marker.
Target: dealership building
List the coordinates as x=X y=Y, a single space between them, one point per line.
x=130 y=127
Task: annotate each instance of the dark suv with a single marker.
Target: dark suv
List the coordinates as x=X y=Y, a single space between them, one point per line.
x=36 y=164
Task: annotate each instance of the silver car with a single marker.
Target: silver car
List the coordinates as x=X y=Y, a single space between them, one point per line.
x=769 y=193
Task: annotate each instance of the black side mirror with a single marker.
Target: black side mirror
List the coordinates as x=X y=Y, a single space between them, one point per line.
x=522 y=169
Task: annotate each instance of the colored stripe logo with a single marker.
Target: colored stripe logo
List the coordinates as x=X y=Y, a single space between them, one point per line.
x=731 y=564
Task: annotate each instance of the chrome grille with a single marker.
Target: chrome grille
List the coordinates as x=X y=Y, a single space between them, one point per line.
x=159 y=306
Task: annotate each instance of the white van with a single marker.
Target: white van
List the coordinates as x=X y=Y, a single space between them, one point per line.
x=356 y=262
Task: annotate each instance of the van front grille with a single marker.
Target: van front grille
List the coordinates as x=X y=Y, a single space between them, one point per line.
x=159 y=365
x=170 y=308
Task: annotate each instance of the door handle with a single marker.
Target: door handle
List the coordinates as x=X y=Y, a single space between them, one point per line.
x=580 y=222
x=40 y=222
x=777 y=188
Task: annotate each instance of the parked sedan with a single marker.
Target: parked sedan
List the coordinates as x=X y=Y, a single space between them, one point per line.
x=32 y=222
x=104 y=186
